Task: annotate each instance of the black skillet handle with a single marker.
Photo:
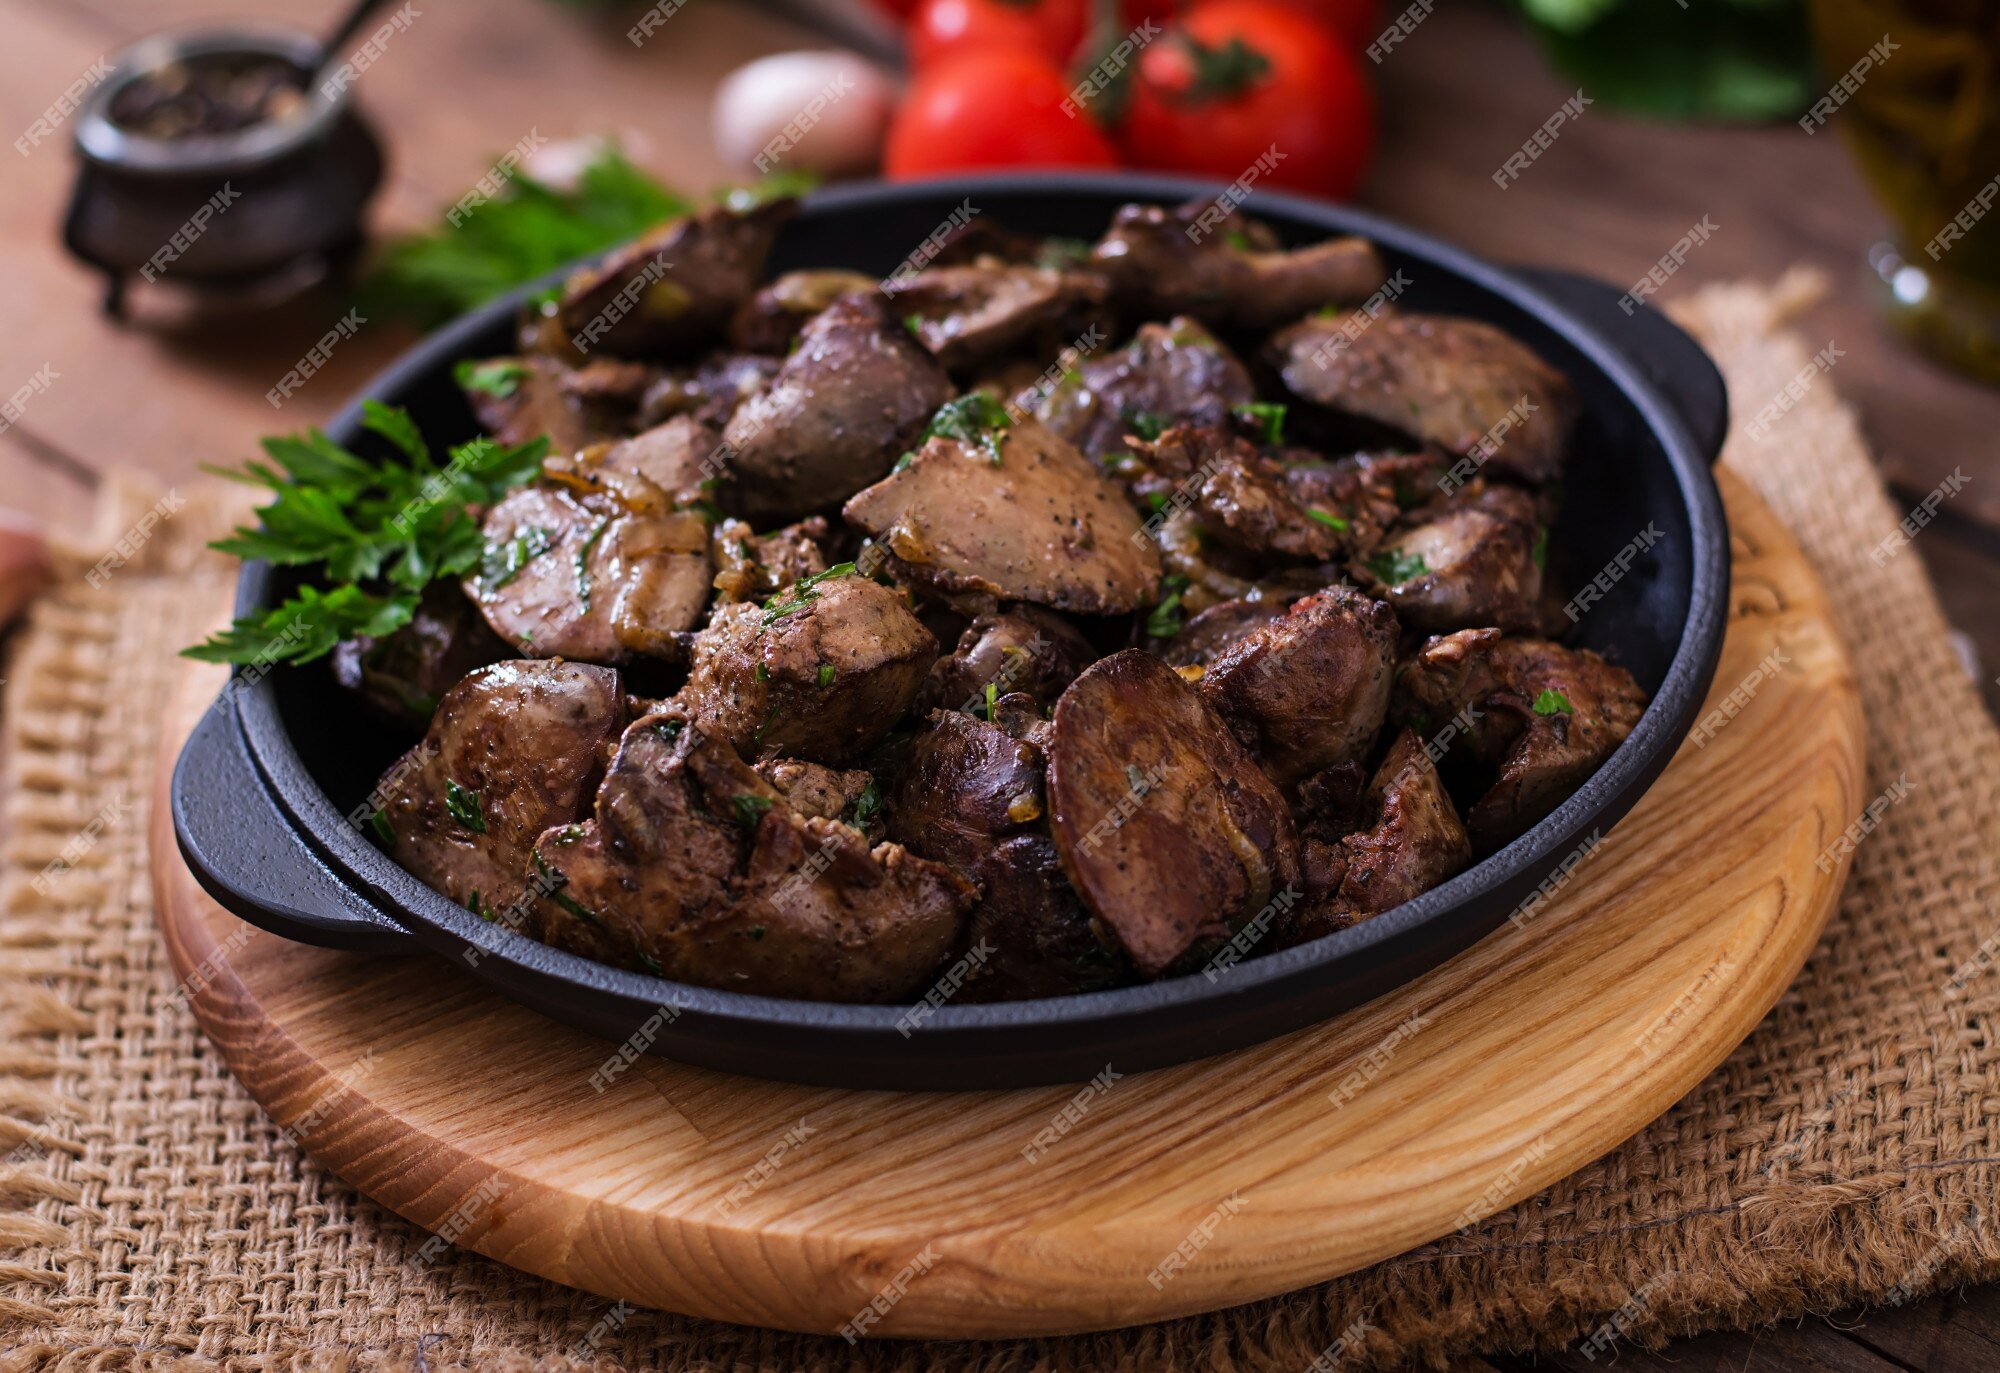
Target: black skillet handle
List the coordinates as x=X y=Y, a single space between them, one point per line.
x=243 y=849
x=1654 y=344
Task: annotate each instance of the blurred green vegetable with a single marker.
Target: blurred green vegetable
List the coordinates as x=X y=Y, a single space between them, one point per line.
x=1733 y=60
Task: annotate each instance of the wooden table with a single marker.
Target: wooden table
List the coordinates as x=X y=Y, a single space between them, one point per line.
x=468 y=81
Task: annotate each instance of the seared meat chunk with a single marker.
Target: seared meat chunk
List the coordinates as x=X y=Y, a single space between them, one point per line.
x=1230 y=277
x=1413 y=841
x=1217 y=630
x=399 y=678
x=1169 y=374
x=814 y=790
x=1202 y=573
x=671 y=291
x=696 y=869
x=1471 y=559
x=966 y=784
x=751 y=567
x=511 y=751
x=856 y=395
x=1236 y=495
x=973 y=314
x=1459 y=383
x=821 y=674
x=1167 y=829
x=520 y=399
x=771 y=319
x=1017 y=514
x=1545 y=716
x=1022 y=649
x=1310 y=689
x=1037 y=937
x=599 y=567
x=710 y=391
x=678 y=456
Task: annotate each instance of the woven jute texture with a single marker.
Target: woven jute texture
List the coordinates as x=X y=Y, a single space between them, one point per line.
x=151 y=1215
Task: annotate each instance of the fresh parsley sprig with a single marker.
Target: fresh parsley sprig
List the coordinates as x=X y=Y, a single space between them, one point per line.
x=378 y=531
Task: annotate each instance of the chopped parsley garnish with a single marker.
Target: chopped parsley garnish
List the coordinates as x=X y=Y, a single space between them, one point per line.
x=1265 y=416
x=648 y=963
x=750 y=808
x=904 y=462
x=502 y=563
x=802 y=593
x=1146 y=424
x=1394 y=567
x=826 y=674
x=762 y=673
x=583 y=561
x=378 y=820
x=495 y=377
x=561 y=897
x=1237 y=240
x=568 y=835
x=915 y=324
x=1165 y=620
x=974 y=419
x=1553 y=702
x=866 y=805
x=1540 y=552
x=478 y=907
x=992 y=698
x=755 y=932
x=669 y=730
x=372 y=532
x=465 y=806
x=1330 y=521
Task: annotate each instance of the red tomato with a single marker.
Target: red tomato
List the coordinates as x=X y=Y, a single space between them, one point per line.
x=999 y=108
x=1053 y=28
x=1357 y=23
x=1236 y=80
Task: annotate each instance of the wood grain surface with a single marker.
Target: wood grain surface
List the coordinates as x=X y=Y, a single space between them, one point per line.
x=1314 y=1155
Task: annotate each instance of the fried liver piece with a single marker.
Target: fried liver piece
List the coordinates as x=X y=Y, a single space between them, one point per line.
x=1311 y=688
x=1240 y=498
x=1544 y=717
x=671 y=291
x=843 y=408
x=1467 y=560
x=1020 y=649
x=966 y=784
x=695 y=868
x=812 y=789
x=1229 y=277
x=1412 y=841
x=820 y=673
x=1169 y=374
x=711 y=390
x=525 y=398
x=1035 y=937
x=1028 y=519
x=771 y=319
x=596 y=566
x=1458 y=383
x=1217 y=630
x=399 y=678
x=510 y=752
x=1168 y=831
x=969 y=315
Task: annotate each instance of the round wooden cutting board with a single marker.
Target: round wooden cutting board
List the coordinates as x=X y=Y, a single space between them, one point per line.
x=1139 y=1197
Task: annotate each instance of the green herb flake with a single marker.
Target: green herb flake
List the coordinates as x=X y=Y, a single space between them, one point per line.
x=1238 y=240
x=915 y=324
x=583 y=551
x=754 y=933
x=465 y=806
x=378 y=820
x=750 y=808
x=992 y=698
x=802 y=593
x=568 y=835
x=1165 y=620
x=502 y=563
x=669 y=730
x=1552 y=702
x=827 y=673
x=479 y=908
x=974 y=419
x=495 y=377
x=866 y=805
x=1146 y=424
x=1267 y=417
x=762 y=673
x=1394 y=567
x=1330 y=521
x=1540 y=552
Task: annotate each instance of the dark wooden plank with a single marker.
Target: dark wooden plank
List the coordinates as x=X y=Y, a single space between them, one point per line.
x=1956 y=1334
x=1809 y=1347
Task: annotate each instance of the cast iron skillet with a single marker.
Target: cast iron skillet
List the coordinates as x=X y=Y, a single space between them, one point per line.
x=264 y=785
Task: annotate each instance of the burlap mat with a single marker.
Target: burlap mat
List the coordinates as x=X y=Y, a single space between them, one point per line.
x=1846 y=1153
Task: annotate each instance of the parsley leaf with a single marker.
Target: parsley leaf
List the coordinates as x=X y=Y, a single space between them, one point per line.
x=1394 y=567
x=496 y=377
x=803 y=592
x=827 y=672
x=750 y=808
x=1165 y=620
x=975 y=419
x=502 y=563
x=1265 y=416
x=1540 y=552
x=1553 y=702
x=1146 y=424
x=866 y=805
x=467 y=807
x=1330 y=521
